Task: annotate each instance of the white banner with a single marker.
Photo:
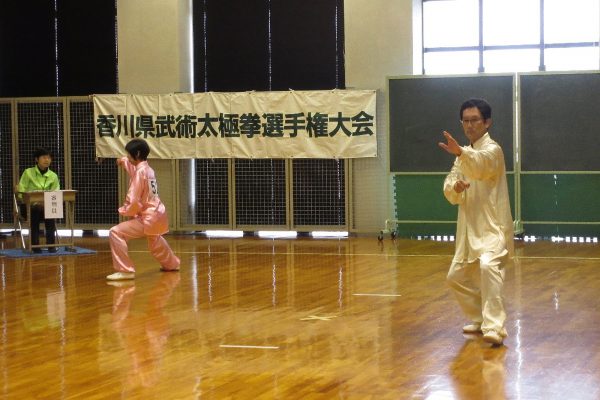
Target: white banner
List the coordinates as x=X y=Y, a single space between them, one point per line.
x=293 y=124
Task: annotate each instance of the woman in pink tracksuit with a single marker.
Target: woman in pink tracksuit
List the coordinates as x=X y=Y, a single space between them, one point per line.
x=147 y=212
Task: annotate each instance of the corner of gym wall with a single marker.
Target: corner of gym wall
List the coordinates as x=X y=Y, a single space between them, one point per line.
x=378 y=43
x=154 y=57
x=153 y=46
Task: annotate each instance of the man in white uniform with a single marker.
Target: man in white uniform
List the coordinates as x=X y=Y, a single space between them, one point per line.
x=484 y=231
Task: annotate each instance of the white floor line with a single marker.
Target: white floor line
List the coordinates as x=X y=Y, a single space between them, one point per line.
x=367 y=254
x=557 y=258
x=240 y=346
x=318 y=318
x=309 y=253
x=376 y=295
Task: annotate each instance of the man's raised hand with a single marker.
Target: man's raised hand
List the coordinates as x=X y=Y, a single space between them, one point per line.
x=451 y=146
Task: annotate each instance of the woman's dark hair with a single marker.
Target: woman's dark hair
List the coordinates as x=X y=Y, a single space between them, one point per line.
x=41 y=151
x=483 y=106
x=138 y=149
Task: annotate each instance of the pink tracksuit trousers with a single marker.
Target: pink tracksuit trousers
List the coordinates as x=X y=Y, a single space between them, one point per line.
x=159 y=248
x=149 y=219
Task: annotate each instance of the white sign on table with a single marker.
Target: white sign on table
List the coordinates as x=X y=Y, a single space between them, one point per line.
x=53 y=205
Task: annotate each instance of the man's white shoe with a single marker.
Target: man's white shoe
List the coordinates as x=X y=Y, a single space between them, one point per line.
x=472 y=328
x=493 y=337
x=121 y=276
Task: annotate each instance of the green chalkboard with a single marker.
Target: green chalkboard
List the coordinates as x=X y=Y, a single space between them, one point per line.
x=560 y=197
x=560 y=121
x=420 y=198
x=420 y=108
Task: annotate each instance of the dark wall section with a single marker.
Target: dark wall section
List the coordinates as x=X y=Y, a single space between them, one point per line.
x=421 y=108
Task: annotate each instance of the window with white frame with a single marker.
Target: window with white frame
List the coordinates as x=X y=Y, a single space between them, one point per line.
x=470 y=36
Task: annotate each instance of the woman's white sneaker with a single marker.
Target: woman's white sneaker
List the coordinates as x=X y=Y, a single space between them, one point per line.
x=472 y=328
x=120 y=276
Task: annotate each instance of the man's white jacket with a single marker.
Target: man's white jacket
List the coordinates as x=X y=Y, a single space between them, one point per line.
x=484 y=224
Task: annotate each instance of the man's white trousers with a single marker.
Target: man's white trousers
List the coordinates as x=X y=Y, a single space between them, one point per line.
x=478 y=289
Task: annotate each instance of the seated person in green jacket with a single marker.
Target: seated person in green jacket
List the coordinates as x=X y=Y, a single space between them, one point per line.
x=40 y=177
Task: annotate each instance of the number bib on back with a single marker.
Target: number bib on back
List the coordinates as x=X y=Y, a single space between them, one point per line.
x=152 y=187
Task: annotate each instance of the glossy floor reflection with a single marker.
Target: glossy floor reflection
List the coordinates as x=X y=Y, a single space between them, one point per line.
x=294 y=319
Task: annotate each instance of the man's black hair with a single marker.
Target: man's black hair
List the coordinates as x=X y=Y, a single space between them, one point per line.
x=483 y=106
x=138 y=148
x=41 y=151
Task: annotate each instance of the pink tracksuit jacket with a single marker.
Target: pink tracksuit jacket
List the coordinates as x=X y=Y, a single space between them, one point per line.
x=142 y=199
x=149 y=218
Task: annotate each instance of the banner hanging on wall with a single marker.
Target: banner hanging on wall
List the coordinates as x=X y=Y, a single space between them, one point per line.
x=292 y=124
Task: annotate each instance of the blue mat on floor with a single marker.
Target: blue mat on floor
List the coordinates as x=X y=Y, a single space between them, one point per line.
x=19 y=253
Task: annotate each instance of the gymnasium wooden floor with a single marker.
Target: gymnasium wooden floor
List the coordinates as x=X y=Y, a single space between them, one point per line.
x=294 y=319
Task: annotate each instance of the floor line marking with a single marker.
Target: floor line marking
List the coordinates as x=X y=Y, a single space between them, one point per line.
x=317 y=318
x=556 y=257
x=376 y=295
x=301 y=253
x=241 y=346
x=369 y=254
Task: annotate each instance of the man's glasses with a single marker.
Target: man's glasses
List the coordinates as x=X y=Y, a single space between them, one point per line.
x=471 y=121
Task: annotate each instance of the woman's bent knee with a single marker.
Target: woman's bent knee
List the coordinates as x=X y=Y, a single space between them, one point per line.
x=114 y=232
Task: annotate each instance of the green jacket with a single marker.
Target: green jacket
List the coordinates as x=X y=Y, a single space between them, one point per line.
x=32 y=180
